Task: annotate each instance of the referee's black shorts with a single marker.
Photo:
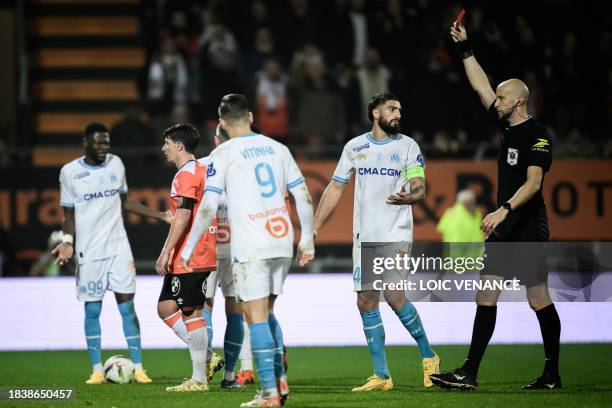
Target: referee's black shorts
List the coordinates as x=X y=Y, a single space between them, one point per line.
x=517 y=248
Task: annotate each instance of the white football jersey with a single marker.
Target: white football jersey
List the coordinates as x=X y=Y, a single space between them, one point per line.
x=94 y=193
x=223 y=228
x=379 y=172
x=255 y=171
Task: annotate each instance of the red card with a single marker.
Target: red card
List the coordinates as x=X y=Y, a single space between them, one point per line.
x=459 y=18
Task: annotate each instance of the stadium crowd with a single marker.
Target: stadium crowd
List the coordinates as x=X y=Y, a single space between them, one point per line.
x=309 y=66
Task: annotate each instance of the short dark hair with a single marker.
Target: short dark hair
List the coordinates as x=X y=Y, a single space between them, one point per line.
x=234 y=107
x=93 y=128
x=379 y=99
x=185 y=133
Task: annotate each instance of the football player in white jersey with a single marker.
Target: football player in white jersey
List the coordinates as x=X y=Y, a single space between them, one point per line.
x=93 y=193
x=234 y=330
x=389 y=178
x=255 y=171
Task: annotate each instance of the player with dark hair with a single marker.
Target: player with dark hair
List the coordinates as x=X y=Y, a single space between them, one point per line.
x=524 y=158
x=254 y=172
x=385 y=163
x=184 y=289
x=93 y=193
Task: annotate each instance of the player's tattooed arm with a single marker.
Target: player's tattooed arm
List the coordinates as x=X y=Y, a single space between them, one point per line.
x=136 y=207
x=416 y=194
x=64 y=251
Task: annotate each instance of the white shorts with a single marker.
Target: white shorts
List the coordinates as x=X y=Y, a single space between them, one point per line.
x=362 y=283
x=116 y=274
x=261 y=278
x=223 y=277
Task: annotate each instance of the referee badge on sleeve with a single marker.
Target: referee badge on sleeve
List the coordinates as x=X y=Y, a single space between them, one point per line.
x=512 y=157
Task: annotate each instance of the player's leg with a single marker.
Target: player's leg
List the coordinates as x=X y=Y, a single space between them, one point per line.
x=367 y=303
x=93 y=335
x=550 y=327
x=253 y=287
x=232 y=342
x=122 y=281
x=279 y=268
x=171 y=315
x=214 y=362
x=482 y=331
x=208 y=307
x=192 y=292
x=245 y=375
x=409 y=316
x=92 y=281
x=234 y=331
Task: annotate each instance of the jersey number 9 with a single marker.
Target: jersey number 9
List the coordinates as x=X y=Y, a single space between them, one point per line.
x=265 y=178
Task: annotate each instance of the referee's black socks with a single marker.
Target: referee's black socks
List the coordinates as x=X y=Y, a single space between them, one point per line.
x=484 y=325
x=550 y=326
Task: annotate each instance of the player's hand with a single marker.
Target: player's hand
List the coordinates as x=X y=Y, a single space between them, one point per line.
x=492 y=220
x=458 y=33
x=305 y=252
x=401 y=198
x=62 y=253
x=161 y=266
x=185 y=265
x=167 y=217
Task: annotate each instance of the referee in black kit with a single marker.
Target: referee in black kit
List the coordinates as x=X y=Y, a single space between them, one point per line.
x=524 y=158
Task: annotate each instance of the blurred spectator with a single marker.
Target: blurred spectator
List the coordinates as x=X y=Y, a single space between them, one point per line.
x=316 y=105
x=271 y=110
x=133 y=129
x=167 y=79
x=217 y=70
x=461 y=222
x=359 y=22
x=339 y=46
x=45 y=265
x=299 y=26
x=263 y=48
x=373 y=78
x=348 y=86
x=575 y=146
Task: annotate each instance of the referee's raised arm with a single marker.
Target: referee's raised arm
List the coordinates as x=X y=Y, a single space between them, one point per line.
x=476 y=75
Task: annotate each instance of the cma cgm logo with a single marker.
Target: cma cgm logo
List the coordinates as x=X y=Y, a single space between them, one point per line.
x=101 y=194
x=375 y=171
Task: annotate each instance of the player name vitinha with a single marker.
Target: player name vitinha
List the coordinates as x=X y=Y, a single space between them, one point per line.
x=449 y=284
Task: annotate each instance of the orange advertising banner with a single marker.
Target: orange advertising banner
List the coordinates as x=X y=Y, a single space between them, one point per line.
x=578 y=195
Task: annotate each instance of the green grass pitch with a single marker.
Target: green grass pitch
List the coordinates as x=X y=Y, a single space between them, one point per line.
x=324 y=376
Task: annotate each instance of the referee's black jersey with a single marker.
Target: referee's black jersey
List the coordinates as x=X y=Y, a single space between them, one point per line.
x=521 y=146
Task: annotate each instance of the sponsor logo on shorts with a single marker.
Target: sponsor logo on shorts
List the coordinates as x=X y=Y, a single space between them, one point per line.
x=176 y=286
x=204 y=287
